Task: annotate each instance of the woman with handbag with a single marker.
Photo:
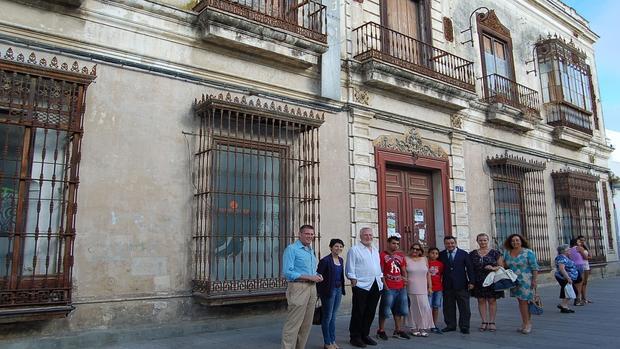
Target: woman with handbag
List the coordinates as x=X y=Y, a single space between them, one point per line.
x=486 y=260
x=330 y=291
x=522 y=261
x=566 y=273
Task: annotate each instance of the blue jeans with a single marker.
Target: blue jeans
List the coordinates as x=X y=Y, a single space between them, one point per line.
x=395 y=302
x=330 y=308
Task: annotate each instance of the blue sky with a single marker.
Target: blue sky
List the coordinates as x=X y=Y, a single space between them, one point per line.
x=603 y=18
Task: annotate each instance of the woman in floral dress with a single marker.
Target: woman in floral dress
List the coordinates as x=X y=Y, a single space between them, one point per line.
x=520 y=259
x=486 y=260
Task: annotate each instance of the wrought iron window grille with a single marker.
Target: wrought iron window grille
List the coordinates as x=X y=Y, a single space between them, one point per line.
x=41 y=125
x=578 y=211
x=519 y=202
x=257 y=180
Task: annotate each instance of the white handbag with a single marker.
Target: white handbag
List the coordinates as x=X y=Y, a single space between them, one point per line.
x=569 y=291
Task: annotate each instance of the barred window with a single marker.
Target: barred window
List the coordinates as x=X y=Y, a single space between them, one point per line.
x=519 y=202
x=256 y=174
x=577 y=209
x=610 y=234
x=566 y=84
x=41 y=112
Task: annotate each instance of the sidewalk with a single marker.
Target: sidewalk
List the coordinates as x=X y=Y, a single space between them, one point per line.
x=594 y=325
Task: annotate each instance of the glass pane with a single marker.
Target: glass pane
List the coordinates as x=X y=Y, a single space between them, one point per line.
x=246 y=237
x=508 y=218
x=42 y=248
x=11 y=142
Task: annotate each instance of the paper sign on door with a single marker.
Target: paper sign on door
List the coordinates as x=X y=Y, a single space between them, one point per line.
x=391 y=224
x=418 y=215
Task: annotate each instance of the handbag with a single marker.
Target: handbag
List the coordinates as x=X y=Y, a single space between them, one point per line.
x=504 y=279
x=569 y=291
x=535 y=306
x=318 y=313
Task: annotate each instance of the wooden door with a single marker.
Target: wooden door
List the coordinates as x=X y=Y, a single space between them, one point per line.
x=409 y=207
x=407 y=21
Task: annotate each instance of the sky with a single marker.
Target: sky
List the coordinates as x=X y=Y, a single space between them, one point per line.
x=603 y=16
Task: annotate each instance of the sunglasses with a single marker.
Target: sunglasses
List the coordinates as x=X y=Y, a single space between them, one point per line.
x=415 y=249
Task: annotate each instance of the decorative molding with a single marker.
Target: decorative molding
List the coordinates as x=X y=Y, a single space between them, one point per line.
x=410 y=142
x=448 y=29
x=456 y=120
x=361 y=96
x=490 y=21
x=265 y=107
x=9 y=56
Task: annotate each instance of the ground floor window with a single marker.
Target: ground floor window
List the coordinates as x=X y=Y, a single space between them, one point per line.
x=41 y=111
x=578 y=210
x=257 y=181
x=519 y=202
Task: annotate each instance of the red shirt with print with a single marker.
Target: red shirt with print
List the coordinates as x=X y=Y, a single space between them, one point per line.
x=436 y=269
x=391 y=266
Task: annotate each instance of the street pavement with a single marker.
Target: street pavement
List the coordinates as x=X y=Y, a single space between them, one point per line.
x=591 y=326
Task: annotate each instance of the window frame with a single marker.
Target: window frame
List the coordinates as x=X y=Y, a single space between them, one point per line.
x=293 y=134
x=44 y=99
x=528 y=175
x=563 y=59
x=575 y=192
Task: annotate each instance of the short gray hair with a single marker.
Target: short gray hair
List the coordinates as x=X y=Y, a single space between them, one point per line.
x=562 y=248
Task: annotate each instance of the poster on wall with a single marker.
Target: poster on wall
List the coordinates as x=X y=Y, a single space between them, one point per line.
x=391 y=224
x=418 y=215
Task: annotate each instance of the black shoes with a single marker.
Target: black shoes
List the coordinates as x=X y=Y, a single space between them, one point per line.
x=465 y=330
x=448 y=329
x=382 y=335
x=357 y=342
x=369 y=341
x=401 y=335
x=565 y=310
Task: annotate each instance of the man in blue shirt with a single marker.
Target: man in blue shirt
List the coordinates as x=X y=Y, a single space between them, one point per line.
x=299 y=264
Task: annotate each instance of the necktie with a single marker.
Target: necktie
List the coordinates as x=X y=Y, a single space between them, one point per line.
x=452 y=257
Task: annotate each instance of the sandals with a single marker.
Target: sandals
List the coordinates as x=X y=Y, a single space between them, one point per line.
x=491 y=329
x=483 y=326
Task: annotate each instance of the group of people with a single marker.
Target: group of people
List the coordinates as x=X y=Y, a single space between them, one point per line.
x=410 y=287
x=573 y=268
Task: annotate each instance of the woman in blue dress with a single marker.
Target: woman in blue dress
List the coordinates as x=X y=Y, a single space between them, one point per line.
x=519 y=258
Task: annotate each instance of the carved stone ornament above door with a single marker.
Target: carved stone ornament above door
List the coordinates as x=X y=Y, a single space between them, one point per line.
x=410 y=142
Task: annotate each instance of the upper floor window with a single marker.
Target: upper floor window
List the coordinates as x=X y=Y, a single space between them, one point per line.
x=256 y=180
x=496 y=56
x=41 y=112
x=408 y=17
x=566 y=84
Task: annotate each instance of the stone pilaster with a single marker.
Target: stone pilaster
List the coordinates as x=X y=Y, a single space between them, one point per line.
x=458 y=200
x=363 y=175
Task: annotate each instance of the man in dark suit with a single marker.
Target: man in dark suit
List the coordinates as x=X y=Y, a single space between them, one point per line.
x=458 y=279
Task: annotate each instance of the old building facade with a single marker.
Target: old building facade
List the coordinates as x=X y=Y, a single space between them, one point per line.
x=201 y=134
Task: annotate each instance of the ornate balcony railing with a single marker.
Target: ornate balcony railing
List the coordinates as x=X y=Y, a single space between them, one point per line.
x=499 y=89
x=559 y=114
x=375 y=41
x=306 y=18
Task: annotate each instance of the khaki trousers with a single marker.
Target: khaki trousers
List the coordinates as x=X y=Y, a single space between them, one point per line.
x=301 y=299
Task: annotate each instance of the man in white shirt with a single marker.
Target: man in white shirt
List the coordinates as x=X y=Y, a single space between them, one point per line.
x=364 y=270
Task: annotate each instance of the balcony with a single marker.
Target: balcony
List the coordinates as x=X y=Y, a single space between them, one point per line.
x=512 y=104
x=571 y=126
x=399 y=62
x=283 y=30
